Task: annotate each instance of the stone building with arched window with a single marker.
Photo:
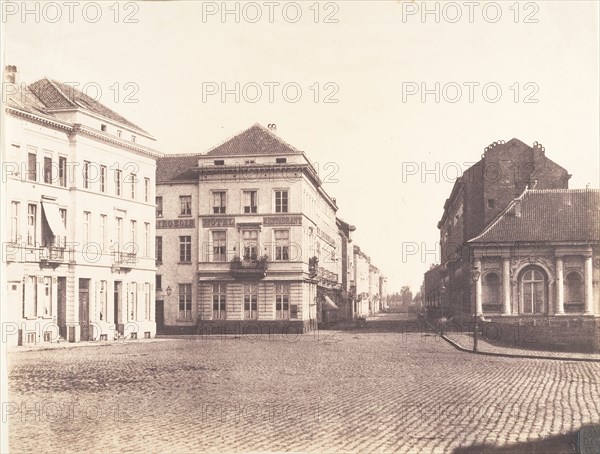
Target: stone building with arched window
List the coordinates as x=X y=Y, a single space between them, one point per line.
x=538 y=267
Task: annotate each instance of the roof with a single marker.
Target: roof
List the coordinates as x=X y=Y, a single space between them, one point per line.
x=256 y=140
x=177 y=167
x=555 y=215
x=45 y=96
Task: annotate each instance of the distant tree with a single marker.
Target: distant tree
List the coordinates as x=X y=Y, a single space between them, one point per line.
x=406 y=295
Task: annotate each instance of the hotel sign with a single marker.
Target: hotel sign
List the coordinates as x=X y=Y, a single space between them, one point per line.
x=175 y=223
x=218 y=222
x=282 y=220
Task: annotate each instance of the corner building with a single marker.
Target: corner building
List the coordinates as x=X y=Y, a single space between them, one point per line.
x=268 y=245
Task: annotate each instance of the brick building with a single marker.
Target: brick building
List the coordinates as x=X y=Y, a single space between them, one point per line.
x=78 y=252
x=484 y=190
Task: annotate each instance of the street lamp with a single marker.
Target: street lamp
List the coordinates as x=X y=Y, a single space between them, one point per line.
x=169 y=290
x=475 y=275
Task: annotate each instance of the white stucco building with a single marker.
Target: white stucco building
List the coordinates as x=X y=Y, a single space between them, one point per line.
x=78 y=197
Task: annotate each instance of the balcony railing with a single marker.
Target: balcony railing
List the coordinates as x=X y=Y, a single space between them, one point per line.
x=124 y=261
x=248 y=268
x=52 y=254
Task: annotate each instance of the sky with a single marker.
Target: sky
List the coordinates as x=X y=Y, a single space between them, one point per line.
x=391 y=100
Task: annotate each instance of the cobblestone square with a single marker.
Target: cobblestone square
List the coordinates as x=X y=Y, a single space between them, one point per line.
x=326 y=391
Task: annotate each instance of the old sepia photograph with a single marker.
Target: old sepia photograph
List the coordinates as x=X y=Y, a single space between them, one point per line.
x=352 y=226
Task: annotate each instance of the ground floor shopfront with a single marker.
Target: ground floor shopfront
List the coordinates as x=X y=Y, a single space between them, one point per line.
x=67 y=302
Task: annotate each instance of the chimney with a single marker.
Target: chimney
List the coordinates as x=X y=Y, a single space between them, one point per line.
x=517 y=208
x=10 y=74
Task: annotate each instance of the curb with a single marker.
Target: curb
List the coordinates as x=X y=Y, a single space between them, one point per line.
x=517 y=355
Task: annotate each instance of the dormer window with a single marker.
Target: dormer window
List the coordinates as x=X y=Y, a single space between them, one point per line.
x=491 y=203
x=281 y=160
x=219 y=162
x=103 y=128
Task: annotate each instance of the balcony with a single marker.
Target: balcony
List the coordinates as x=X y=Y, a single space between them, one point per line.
x=52 y=255
x=124 y=261
x=249 y=269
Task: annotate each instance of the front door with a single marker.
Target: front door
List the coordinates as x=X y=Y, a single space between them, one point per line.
x=61 y=313
x=160 y=316
x=84 y=309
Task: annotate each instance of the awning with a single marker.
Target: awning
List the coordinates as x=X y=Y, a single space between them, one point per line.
x=330 y=302
x=53 y=218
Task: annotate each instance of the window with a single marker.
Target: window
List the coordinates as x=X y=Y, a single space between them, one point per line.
x=87 y=217
x=47 y=170
x=31 y=166
x=219 y=300
x=250 y=161
x=119 y=222
x=281 y=201
x=158 y=282
x=146 y=239
x=250 y=244
x=47 y=297
x=492 y=296
x=103 y=301
x=282 y=301
x=281 y=160
x=133 y=236
x=30 y=297
x=574 y=292
x=147 y=314
x=86 y=174
x=133 y=179
x=185 y=301
x=119 y=133
x=533 y=291
x=102 y=178
x=491 y=203
x=31 y=224
x=185 y=205
x=219 y=240
x=219 y=202
x=62 y=171
x=133 y=138
x=132 y=302
x=185 y=249
x=14 y=221
x=118 y=179
x=219 y=162
x=63 y=216
x=103 y=128
x=282 y=244
x=158 y=251
x=103 y=219
x=250 y=205
x=159 y=207
x=250 y=301
x=146 y=189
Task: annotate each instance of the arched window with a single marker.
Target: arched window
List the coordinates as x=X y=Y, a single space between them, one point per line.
x=533 y=291
x=492 y=295
x=573 y=292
